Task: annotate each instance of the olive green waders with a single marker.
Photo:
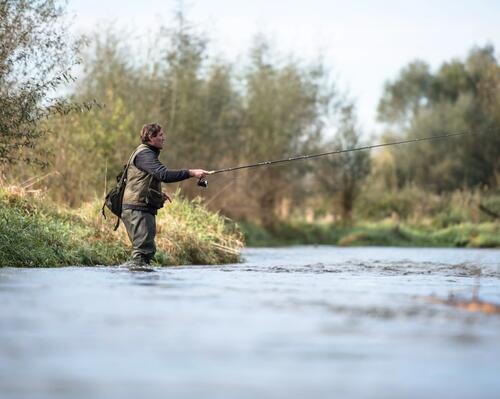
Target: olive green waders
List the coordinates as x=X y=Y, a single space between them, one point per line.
x=141 y=229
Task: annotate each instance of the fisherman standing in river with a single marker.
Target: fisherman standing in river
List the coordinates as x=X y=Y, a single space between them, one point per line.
x=143 y=196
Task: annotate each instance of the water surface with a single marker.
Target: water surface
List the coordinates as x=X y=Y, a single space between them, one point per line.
x=318 y=322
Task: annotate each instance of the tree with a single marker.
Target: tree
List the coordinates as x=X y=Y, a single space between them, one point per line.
x=461 y=96
x=404 y=98
x=91 y=148
x=285 y=110
x=342 y=175
x=183 y=87
x=36 y=56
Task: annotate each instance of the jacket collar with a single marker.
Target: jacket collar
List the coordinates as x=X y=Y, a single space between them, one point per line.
x=157 y=150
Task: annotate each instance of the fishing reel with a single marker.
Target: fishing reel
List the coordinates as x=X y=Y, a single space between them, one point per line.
x=203 y=182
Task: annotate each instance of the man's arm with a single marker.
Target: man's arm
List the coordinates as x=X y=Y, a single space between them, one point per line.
x=148 y=161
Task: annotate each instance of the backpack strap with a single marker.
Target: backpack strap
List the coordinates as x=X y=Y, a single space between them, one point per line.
x=123 y=179
x=130 y=160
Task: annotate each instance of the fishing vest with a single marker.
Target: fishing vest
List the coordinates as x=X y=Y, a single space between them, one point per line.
x=142 y=188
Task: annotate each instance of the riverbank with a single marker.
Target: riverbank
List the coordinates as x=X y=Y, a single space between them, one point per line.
x=383 y=233
x=35 y=232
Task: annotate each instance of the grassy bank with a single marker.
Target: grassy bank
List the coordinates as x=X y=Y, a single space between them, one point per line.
x=384 y=233
x=409 y=216
x=35 y=232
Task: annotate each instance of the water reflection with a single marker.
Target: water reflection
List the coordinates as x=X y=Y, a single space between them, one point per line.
x=144 y=278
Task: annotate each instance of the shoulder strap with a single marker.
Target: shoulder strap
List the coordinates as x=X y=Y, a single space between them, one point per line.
x=130 y=160
x=140 y=148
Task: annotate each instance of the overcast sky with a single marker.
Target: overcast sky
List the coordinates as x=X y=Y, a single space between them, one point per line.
x=364 y=42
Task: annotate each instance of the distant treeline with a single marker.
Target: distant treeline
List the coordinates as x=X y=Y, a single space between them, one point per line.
x=218 y=113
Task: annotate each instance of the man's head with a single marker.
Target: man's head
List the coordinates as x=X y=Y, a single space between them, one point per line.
x=153 y=134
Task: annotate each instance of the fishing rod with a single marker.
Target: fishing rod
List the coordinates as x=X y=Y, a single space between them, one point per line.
x=204 y=183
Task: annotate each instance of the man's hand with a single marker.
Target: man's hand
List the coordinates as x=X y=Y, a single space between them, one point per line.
x=199 y=173
x=166 y=197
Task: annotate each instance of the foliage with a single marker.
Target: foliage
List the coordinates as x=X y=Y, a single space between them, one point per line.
x=416 y=206
x=343 y=174
x=465 y=235
x=292 y=233
x=461 y=96
x=408 y=217
x=403 y=98
x=189 y=233
x=35 y=232
x=36 y=56
x=286 y=107
x=381 y=233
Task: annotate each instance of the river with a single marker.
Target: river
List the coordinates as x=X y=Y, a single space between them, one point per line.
x=297 y=322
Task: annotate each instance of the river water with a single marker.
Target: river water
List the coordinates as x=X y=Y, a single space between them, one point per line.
x=299 y=322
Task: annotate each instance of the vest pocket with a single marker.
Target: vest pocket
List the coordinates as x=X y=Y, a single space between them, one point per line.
x=154 y=198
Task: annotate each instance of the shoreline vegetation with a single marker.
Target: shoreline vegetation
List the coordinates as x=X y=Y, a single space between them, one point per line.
x=382 y=233
x=408 y=217
x=36 y=232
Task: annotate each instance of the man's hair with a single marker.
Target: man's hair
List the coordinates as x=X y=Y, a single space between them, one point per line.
x=150 y=130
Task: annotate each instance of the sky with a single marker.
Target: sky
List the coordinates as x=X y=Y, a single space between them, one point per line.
x=365 y=43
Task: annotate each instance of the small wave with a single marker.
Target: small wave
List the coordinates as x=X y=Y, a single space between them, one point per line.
x=384 y=268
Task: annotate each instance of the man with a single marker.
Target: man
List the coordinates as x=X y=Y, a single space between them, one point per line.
x=143 y=196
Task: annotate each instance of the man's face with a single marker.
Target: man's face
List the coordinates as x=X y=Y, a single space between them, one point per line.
x=158 y=140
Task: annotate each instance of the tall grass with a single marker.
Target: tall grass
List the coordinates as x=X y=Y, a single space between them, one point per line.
x=35 y=232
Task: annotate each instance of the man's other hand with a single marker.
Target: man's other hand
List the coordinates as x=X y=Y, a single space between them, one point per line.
x=166 y=197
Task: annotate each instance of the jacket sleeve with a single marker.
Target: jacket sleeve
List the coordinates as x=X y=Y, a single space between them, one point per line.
x=148 y=161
